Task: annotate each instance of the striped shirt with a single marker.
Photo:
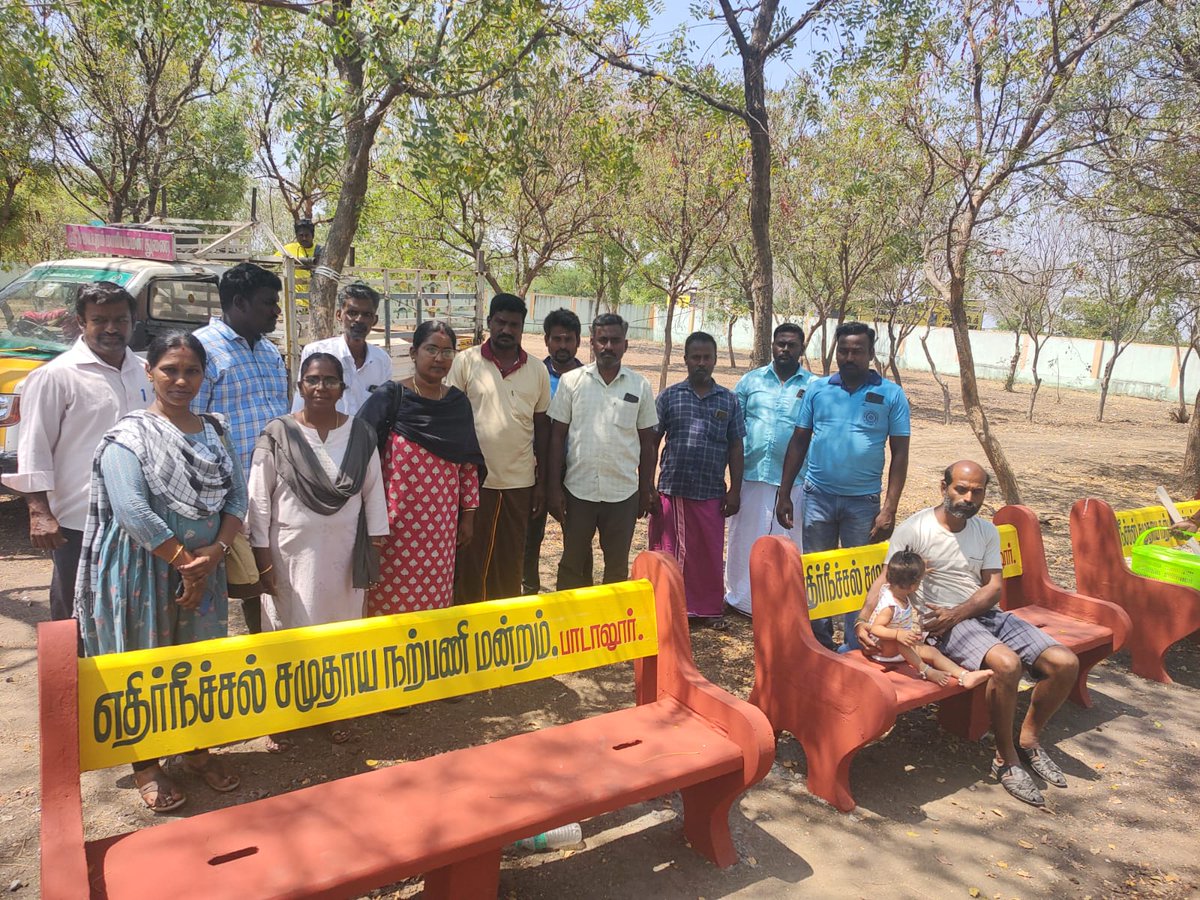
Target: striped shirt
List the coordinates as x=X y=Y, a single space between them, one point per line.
x=248 y=385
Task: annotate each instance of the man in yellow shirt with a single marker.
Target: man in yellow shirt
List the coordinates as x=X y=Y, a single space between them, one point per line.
x=306 y=252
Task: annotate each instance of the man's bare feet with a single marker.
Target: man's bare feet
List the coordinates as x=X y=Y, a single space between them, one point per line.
x=971 y=679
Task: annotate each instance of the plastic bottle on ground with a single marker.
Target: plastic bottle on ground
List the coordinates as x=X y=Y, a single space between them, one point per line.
x=565 y=836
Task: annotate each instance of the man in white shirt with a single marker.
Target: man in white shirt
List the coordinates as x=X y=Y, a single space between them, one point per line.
x=959 y=595
x=603 y=424
x=366 y=365
x=66 y=407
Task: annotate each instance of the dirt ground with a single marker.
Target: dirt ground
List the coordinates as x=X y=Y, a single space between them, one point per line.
x=931 y=822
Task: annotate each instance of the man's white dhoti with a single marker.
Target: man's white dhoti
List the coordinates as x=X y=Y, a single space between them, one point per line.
x=755 y=519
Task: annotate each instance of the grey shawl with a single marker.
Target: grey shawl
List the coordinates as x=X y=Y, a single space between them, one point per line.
x=298 y=467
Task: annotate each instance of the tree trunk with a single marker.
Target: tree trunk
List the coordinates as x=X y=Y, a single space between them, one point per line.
x=760 y=205
x=360 y=138
x=729 y=341
x=1189 y=477
x=8 y=206
x=666 y=360
x=1012 y=365
x=893 y=347
x=1104 y=381
x=1037 y=379
x=938 y=378
x=1183 y=407
x=966 y=367
x=1037 y=383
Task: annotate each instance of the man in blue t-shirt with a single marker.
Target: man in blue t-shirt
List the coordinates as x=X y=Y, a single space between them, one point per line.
x=562 y=332
x=842 y=426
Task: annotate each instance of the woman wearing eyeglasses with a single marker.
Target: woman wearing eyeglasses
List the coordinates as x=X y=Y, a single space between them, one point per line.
x=431 y=462
x=317 y=507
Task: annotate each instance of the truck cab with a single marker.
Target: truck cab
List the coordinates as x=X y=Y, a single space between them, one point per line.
x=39 y=322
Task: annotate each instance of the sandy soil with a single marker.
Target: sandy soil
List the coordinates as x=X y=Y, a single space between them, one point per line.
x=931 y=822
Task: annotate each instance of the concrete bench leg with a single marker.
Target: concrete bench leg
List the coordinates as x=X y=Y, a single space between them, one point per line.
x=477 y=878
x=706 y=817
x=1087 y=659
x=1147 y=647
x=965 y=714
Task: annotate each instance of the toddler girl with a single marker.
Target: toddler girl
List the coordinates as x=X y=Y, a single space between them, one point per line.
x=899 y=630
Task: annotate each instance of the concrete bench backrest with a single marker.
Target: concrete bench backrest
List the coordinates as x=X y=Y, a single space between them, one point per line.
x=837 y=581
x=1132 y=522
x=148 y=704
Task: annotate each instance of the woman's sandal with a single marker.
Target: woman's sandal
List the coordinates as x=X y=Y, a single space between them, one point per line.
x=279 y=743
x=156 y=788
x=212 y=771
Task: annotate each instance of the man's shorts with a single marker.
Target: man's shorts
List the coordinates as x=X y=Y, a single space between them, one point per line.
x=968 y=642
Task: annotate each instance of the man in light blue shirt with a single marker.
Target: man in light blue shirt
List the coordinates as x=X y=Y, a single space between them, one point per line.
x=768 y=399
x=842 y=428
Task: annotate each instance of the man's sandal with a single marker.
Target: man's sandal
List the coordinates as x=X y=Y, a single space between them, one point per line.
x=212 y=770
x=1043 y=766
x=1017 y=782
x=158 y=792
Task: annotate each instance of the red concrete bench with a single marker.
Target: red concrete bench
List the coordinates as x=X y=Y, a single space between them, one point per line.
x=448 y=816
x=836 y=704
x=1162 y=613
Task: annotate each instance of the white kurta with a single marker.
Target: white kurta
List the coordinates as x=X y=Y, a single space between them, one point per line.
x=312 y=554
x=755 y=519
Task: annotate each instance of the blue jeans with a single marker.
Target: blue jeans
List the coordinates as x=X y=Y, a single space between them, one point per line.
x=830 y=521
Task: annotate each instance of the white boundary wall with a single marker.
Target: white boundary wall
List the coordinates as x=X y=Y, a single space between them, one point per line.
x=1143 y=370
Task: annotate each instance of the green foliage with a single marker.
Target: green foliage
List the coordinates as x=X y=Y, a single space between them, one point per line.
x=210 y=181
x=137 y=105
x=524 y=172
x=25 y=76
x=851 y=199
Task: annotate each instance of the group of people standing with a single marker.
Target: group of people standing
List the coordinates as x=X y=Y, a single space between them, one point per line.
x=370 y=496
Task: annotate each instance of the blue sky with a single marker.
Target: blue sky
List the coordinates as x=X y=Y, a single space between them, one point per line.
x=710 y=40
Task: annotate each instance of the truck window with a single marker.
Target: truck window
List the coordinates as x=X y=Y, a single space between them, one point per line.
x=184 y=301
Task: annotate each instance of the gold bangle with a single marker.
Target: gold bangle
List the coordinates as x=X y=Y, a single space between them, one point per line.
x=171 y=561
x=262 y=572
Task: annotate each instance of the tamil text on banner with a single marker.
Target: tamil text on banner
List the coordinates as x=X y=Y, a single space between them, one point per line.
x=1132 y=522
x=155 y=703
x=837 y=581
x=135 y=242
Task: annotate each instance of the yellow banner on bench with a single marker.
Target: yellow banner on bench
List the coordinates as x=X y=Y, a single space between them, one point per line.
x=153 y=703
x=1132 y=522
x=837 y=581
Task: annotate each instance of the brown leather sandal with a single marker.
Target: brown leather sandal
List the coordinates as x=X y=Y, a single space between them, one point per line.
x=157 y=788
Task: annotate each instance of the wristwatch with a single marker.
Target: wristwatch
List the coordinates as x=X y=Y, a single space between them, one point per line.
x=225 y=548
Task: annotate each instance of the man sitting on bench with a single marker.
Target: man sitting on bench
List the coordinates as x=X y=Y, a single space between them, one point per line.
x=959 y=597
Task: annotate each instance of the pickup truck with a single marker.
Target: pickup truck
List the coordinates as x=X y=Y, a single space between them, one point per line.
x=39 y=317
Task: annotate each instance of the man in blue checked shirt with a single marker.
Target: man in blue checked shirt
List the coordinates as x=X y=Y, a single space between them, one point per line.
x=768 y=400
x=841 y=431
x=246 y=379
x=699 y=420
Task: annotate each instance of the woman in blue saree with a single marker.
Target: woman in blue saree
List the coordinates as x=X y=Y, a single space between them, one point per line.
x=167 y=500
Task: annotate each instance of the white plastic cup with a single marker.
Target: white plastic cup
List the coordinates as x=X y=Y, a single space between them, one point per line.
x=566 y=836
